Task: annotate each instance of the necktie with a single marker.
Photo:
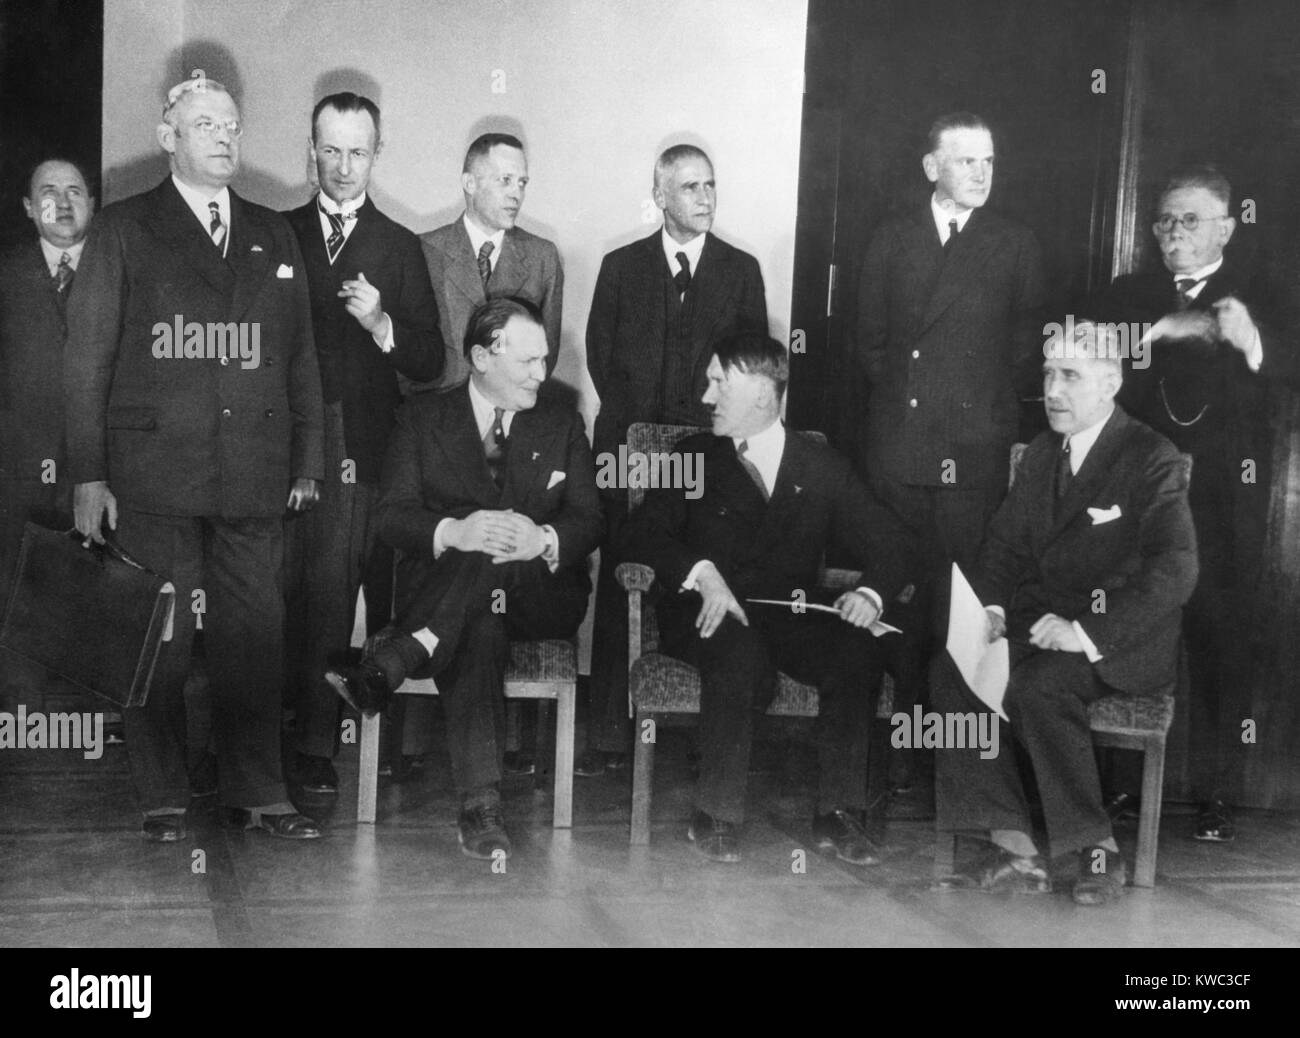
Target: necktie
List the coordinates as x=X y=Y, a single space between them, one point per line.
x=1185 y=286
x=334 y=243
x=1064 y=475
x=485 y=264
x=216 y=228
x=63 y=277
x=494 y=446
x=683 y=276
x=953 y=231
x=751 y=469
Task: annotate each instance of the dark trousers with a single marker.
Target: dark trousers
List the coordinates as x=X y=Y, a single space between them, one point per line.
x=236 y=564
x=327 y=551
x=1218 y=650
x=21 y=500
x=608 y=726
x=738 y=676
x=1047 y=702
x=475 y=608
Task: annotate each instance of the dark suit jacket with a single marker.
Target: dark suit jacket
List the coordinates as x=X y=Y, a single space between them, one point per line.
x=765 y=550
x=353 y=368
x=627 y=326
x=949 y=344
x=436 y=469
x=188 y=436
x=32 y=330
x=529 y=268
x=1037 y=561
x=1183 y=377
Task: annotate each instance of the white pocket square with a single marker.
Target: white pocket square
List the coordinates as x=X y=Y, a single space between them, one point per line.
x=285 y=271
x=556 y=477
x=1103 y=515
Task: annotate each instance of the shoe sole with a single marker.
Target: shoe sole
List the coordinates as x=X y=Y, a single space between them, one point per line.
x=727 y=859
x=490 y=856
x=336 y=682
x=828 y=849
x=1213 y=838
x=165 y=838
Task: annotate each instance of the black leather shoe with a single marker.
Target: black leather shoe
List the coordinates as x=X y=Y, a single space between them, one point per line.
x=1001 y=872
x=314 y=775
x=291 y=826
x=362 y=684
x=515 y=763
x=1214 y=823
x=841 y=834
x=1102 y=877
x=1123 y=807
x=482 y=830
x=168 y=828
x=716 y=839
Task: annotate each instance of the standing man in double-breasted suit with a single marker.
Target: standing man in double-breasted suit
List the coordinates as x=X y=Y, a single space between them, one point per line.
x=373 y=315
x=1085 y=569
x=193 y=420
x=491 y=498
x=949 y=341
x=483 y=255
x=661 y=305
x=37 y=279
x=772 y=502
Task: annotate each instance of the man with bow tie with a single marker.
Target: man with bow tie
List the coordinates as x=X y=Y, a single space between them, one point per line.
x=36 y=281
x=1085 y=568
x=490 y=496
x=191 y=461
x=374 y=316
x=1219 y=352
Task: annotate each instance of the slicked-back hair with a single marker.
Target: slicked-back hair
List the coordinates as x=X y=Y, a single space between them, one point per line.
x=677 y=153
x=177 y=94
x=483 y=145
x=346 y=101
x=31 y=176
x=1202 y=176
x=954 y=121
x=755 y=354
x=488 y=320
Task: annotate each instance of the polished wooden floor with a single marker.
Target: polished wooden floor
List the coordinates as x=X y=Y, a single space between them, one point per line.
x=75 y=872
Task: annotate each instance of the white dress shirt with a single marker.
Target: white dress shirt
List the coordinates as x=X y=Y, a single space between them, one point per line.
x=198 y=203
x=53 y=255
x=943 y=216
x=477 y=236
x=349 y=209
x=692 y=248
x=484 y=418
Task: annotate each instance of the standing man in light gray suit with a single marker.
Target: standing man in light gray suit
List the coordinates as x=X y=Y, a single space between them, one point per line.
x=483 y=255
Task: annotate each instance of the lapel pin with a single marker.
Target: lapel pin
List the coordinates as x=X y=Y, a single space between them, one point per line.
x=256 y=248
x=798 y=489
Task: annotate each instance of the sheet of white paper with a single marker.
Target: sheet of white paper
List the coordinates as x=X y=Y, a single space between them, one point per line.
x=876 y=627
x=983 y=666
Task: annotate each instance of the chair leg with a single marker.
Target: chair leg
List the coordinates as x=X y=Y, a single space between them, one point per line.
x=643 y=773
x=368 y=769
x=1153 y=781
x=544 y=751
x=565 y=710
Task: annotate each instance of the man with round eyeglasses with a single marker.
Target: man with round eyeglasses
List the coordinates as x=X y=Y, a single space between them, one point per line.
x=1217 y=354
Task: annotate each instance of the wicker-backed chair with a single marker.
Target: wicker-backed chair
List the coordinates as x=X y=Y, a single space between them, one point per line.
x=666 y=691
x=1124 y=722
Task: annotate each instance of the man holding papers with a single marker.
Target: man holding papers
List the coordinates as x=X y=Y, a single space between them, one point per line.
x=772 y=502
x=1085 y=569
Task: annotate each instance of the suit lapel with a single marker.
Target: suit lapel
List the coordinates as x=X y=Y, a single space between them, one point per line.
x=171 y=220
x=249 y=255
x=967 y=258
x=650 y=281
x=459 y=442
x=463 y=266
x=526 y=458
x=708 y=288
x=511 y=272
x=1096 y=468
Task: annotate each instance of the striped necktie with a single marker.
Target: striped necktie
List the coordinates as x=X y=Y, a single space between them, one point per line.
x=485 y=264
x=751 y=469
x=216 y=228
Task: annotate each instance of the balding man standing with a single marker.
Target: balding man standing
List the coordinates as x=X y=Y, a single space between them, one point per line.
x=661 y=306
x=190 y=451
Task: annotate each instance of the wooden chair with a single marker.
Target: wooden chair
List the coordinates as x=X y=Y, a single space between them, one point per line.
x=542 y=670
x=1124 y=722
x=666 y=691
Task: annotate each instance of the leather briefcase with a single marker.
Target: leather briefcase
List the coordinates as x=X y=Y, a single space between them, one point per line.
x=93 y=615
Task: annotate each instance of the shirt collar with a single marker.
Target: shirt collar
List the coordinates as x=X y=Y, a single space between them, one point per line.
x=477 y=236
x=352 y=205
x=53 y=254
x=692 y=248
x=943 y=216
x=765 y=449
x=199 y=204
x=1081 y=442
x=485 y=411
x=1199 y=276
